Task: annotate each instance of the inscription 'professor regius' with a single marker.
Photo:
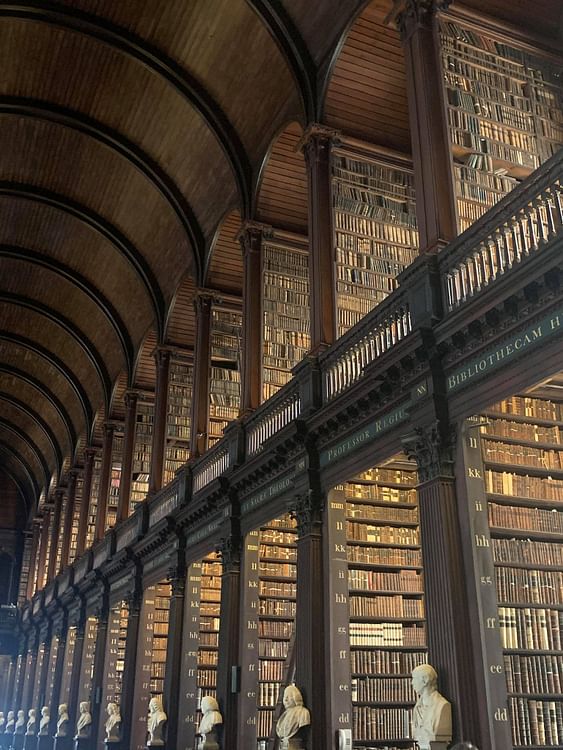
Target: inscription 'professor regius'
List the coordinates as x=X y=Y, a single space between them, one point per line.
x=493 y=358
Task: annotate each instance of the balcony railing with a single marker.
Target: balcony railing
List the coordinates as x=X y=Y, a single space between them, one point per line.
x=519 y=226
x=215 y=462
x=272 y=416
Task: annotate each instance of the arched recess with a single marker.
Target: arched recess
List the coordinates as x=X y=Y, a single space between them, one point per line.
x=16 y=491
x=22 y=446
x=365 y=88
x=78 y=453
x=181 y=323
x=145 y=366
x=281 y=194
x=32 y=423
x=225 y=263
x=117 y=405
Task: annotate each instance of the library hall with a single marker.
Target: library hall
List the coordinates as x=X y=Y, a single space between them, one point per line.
x=281 y=374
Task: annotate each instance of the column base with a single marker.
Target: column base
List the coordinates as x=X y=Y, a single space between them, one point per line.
x=44 y=742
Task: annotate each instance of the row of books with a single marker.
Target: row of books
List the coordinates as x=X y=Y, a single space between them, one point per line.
x=536 y=675
x=401 y=515
x=536 y=722
x=401 y=535
x=382 y=690
x=376 y=662
x=527 y=552
x=386 y=606
x=528 y=406
x=523 y=455
x=527 y=431
x=270 y=670
x=382 y=556
x=530 y=628
x=527 y=519
x=386 y=634
x=529 y=586
x=277 y=588
x=273 y=649
x=379 y=492
x=373 y=580
x=268 y=693
x=380 y=723
x=522 y=485
x=277 y=608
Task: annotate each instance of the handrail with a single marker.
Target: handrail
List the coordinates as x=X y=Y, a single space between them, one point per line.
x=272 y=416
x=211 y=466
x=518 y=226
x=344 y=363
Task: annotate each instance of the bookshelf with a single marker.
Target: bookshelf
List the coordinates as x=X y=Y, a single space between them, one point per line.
x=35 y=688
x=142 y=453
x=377 y=513
x=59 y=549
x=85 y=687
x=270 y=575
x=69 y=656
x=115 y=480
x=93 y=504
x=115 y=653
x=224 y=385
x=178 y=418
x=504 y=108
x=78 y=509
x=286 y=313
x=521 y=450
x=375 y=231
x=51 y=670
x=200 y=643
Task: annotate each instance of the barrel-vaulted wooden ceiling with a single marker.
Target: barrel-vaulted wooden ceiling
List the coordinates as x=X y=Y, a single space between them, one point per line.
x=135 y=136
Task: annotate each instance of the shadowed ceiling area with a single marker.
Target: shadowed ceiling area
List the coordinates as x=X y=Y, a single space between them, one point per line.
x=136 y=137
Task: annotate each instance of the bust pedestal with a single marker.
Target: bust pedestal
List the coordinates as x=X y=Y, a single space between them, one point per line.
x=114 y=745
x=30 y=742
x=17 y=742
x=44 y=742
x=83 y=743
x=159 y=745
x=5 y=740
x=63 y=743
x=294 y=743
x=210 y=742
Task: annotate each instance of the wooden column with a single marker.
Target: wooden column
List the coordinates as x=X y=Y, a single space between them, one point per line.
x=202 y=361
x=450 y=649
x=68 y=519
x=229 y=633
x=130 y=666
x=61 y=633
x=76 y=669
x=177 y=578
x=42 y=674
x=129 y=430
x=316 y=144
x=98 y=676
x=105 y=480
x=250 y=238
x=33 y=558
x=89 y=455
x=55 y=534
x=431 y=152
x=162 y=357
x=311 y=633
x=45 y=534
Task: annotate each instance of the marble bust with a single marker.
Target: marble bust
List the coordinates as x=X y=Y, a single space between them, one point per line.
x=62 y=722
x=210 y=719
x=84 y=722
x=10 y=721
x=20 y=723
x=293 y=719
x=113 y=723
x=2 y=721
x=31 y=721
x=44 y=723
x=432 y=714
x=156 y=721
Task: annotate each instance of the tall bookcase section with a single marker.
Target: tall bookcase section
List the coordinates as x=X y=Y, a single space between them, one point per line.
x=151 y=657
x=269 y=598
x=37 y=698
x=386 y=607
x=94 y=499
x=178 y=421
x=58 y=552
x=505 y=115
x=201 y=644
x=523 y=460
x=87 y=661
x=115 y=654
x=286 y=312
x=142 y=453
x=51 y=669
x=69 y=656
x=375 y=231
x=224 y=386
x=78 y=509
x=116 y=464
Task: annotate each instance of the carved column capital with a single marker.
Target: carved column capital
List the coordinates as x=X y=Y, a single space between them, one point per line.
x=251 y=234
x=433 y=448
x=90 y=454
x=307 y=510
x=229 y=549
x=203 y=300
x=410 y=14
x=130 y=398
x=316 y=142
x=162 y=356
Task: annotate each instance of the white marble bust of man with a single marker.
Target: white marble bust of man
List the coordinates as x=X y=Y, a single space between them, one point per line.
x=432 y=714
x=30 y=721
x=10 y=721
x=293 y=719
x=2 y=721
x=84 y=721
x=62 y=721
x=44 y=723
x=211 y=717
x=157 y=718
x=113 y=723
x=20 y=723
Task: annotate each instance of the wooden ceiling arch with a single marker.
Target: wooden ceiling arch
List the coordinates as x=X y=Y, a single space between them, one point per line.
x=35 y=417
x=11 y=515
x=24 y=444
x=22 y=471
x=42 y=394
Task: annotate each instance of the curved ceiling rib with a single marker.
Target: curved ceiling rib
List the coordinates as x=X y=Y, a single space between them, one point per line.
x=157 y=61
x=69 y=327
x=5 y=448
x=46 y=393
x=19 y=486
x=38 y=419
x=14 y=429
x=103 y=227
x=115 y=320
x=35 y=108
x=292 y=46
x=59 y=365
